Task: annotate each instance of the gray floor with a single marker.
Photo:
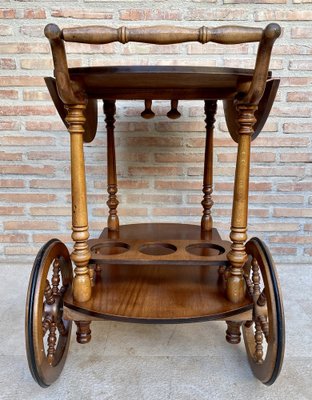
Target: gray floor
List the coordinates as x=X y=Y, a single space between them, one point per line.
x=131 y=361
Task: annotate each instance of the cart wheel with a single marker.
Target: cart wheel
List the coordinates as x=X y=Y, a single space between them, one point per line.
x=264 y=336
x=47 y=333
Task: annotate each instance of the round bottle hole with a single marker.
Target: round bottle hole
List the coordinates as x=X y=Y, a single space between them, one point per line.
x=205 y=249
x=157 y=249
x=110 y=248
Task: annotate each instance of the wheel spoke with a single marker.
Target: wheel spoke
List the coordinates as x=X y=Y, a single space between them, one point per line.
x=61 y=328
x=258 y=340
x=255 y=277
x=46 y=324
x=56 y=276
x=51 y=343
x=48 y=293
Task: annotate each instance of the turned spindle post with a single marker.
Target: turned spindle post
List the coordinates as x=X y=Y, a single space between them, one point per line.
x=113 y=220
x=207 y=203
x=237 y=256
x=233 y=332
x=81 y=253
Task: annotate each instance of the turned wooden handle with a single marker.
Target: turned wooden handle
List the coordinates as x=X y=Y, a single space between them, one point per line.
x=162 y=34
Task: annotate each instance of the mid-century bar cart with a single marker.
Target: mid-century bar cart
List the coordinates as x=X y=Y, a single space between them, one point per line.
x=158 y=272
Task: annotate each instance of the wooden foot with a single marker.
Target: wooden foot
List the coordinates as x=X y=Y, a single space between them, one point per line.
x=233 y=332
x=83 y=334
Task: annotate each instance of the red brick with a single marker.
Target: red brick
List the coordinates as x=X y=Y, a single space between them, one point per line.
x=178 y=185
x=292 y=212
x=26 y=141
x=308 y=251
x=8 y=94
x=4 y=156
x=26 y=198
x=253 y=186
x=11 y=183
x=301 y=32
x=35 y=64
x=283 y=251
x=49 y=184
x=27 y=169
x=36 y=95
x=32 y=81
x=38 y=13
x=11 y=210
x=299 y=96
x=230 y=14
x=274 y=227
x=44 y=237
x=14 y=238
x=284 y=111
x=179 y=157
x=283 y=15
x=296 y=239
x=45 y=126
x=308 y=227
x=7 y=63
x=277 y=171
x=295 y=187
x=52 y=211
x=297 y=127
x=157 y=141
x=20 y=250
x=212 y=48
x=302 y=65
x=296 y=81
x=153 y=199
x=296 y=157
x=155 y=171
x=80 y=14
x=198 y=126
x=136 y=14
x=48 y=155
x=32 y=31
x=30 y=225
x=176 y=211
x=7 y=13
x=23 y=48
x=27 y=110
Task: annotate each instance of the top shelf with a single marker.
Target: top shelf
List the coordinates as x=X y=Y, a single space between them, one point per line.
x=161 y=82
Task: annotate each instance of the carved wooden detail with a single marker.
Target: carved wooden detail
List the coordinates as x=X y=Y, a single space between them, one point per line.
x=112 y=188
x=83 y=333
x=207 y=203
x=148 y=113
x=174 y=113
x=233 y=332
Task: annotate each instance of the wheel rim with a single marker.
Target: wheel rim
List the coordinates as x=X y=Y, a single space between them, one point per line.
x=264 y=336
x=47 y=333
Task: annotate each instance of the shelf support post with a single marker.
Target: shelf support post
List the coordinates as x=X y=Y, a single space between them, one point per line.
x=112 y=188
x=80 y=230
x=237 y=256
x=207 y=202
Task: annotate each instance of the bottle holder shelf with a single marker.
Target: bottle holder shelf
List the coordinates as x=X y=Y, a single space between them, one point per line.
x=179 y=252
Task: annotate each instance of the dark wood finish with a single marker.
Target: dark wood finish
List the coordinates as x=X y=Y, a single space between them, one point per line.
x=83 y=333
x=268 y=323
x=80 y=230
x=159 y=293
x=47 y=333
x=174 y=113
x=112 y=188
x=233 y=332
x=147 y=113
x=236 y=286
x=164 y=273
x=207 y=203
x=261 y=114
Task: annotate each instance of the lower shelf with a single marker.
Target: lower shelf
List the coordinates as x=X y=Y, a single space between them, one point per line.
x=158 y=293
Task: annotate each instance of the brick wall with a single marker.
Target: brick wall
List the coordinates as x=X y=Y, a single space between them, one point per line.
x=161 y=182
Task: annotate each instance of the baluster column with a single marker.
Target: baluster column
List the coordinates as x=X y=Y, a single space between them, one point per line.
x=237 y=256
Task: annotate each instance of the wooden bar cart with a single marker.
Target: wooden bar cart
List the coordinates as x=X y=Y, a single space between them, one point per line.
x=154 y=272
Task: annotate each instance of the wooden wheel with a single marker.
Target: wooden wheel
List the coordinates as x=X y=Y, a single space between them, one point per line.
x=47 y=333
x=265 y=335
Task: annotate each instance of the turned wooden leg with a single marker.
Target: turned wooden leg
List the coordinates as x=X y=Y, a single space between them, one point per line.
x=113 y=220
x=207 y=203
x=233 y=332
x=236 y=286
x=83 y=333
x=81 y=253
